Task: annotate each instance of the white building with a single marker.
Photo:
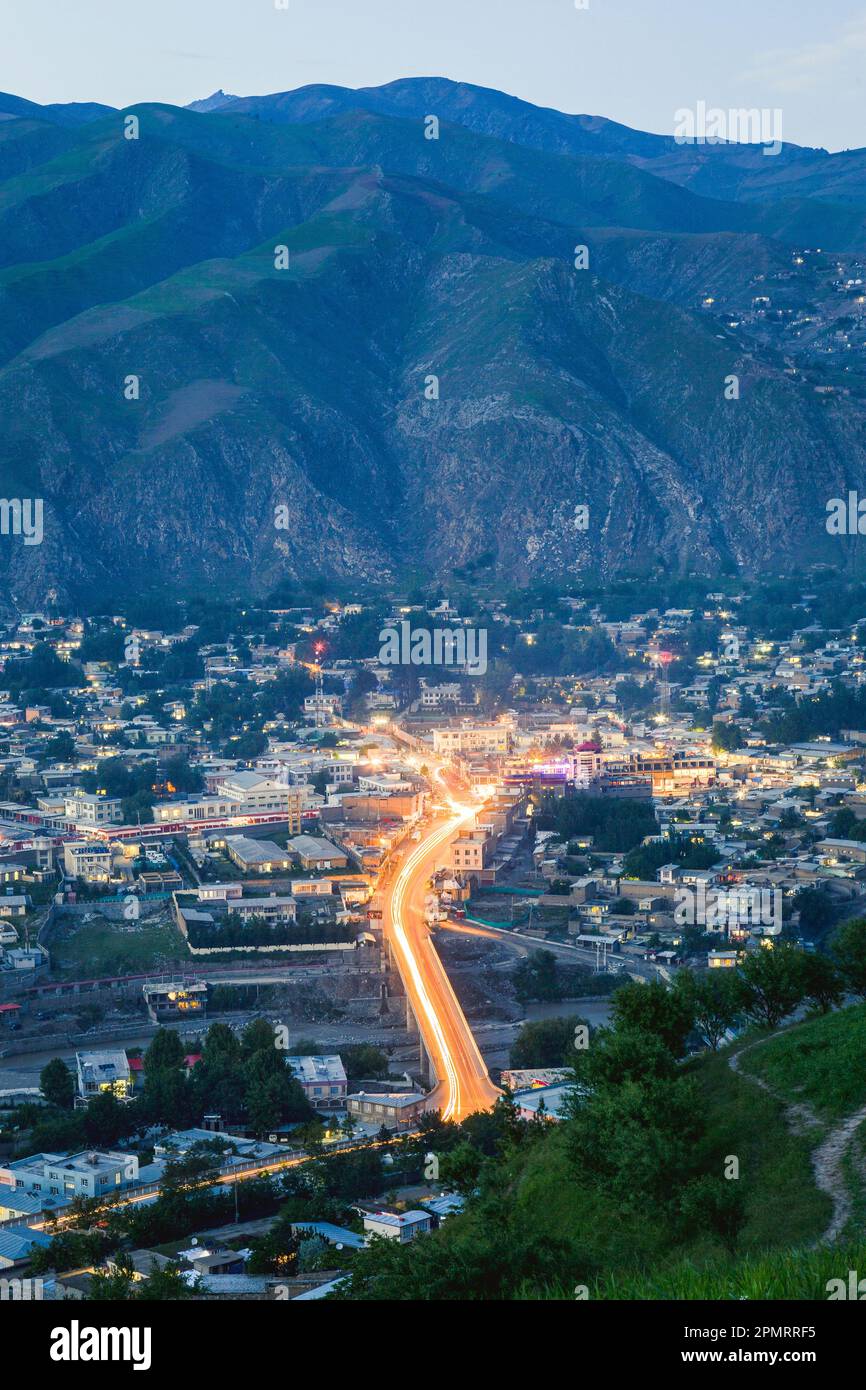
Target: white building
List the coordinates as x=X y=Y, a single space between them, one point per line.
x=88 y=860
x=103 y=1071
x=91 y=808
x=476 y=738
x=88 y=1174
x=403 y=1227
x=322 y=1079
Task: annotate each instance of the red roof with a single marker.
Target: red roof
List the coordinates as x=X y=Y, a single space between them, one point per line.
x=9 y=1008
x=136 y=1063
x=190 y=1060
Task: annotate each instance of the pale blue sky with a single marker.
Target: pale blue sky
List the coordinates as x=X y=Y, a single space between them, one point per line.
x=635 y=61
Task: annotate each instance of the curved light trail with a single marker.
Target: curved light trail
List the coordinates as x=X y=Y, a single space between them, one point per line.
x=463 y=1084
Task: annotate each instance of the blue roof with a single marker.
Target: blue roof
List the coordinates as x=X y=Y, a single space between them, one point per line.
x=16 y=1242
x=24 y=1202
x=554 y=1098
x=339 y=1235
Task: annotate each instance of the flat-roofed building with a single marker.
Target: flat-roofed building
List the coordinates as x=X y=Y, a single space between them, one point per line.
x=87 y=1174
x=394 y=1111
x=91 y=808
x=322 y=1079
x=87 y=860
x=400 y=1226
x=103 y=1071
x=179 y=999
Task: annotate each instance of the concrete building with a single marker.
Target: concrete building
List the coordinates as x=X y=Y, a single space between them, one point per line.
x=257 y=856
x=400 y=1226
x=177 y=999
x=317 y=853
x=87 y=860
x=88 y=1174
x=472 y=738
x=394 y=1111
x=322 y=1079
x=92 y=808
x=103 y=1071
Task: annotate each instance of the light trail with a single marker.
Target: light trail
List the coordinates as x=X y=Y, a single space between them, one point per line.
x=448 y=1038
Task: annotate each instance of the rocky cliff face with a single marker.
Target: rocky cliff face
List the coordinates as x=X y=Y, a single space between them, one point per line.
x=423 y=376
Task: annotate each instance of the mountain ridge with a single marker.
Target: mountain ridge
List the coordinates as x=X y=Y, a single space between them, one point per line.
x=412 y=261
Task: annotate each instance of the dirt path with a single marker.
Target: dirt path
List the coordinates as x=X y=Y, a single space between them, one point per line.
x=827 y=1157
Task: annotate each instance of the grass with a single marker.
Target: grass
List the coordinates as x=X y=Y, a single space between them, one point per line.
x=798 y=1274
x=821 y=1062
x=104 y=948
x=854 y=1173
x=783 y=1205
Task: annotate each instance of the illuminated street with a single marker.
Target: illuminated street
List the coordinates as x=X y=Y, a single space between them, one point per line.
x=463 y=1084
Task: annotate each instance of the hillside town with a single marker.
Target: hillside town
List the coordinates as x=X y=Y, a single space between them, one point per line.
x=213 y=845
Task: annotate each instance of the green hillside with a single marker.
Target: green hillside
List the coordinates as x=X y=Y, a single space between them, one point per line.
x=626 y=1198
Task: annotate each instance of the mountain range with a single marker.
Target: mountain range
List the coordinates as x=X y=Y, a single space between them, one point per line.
x=422 y=379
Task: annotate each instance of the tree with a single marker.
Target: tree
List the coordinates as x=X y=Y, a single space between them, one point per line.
x=726 y=738
x=774 y=984
x=822 y=982
x=182 y=777
x=165 y=1052
x=167 y=1285
x=716 y=999
x=623 y=1054
x=816 y=910
x=717 y=1205
x=460 y=1169
x=537 y=977
x=56 y=1084
x=654 y=1008
x=631 y=1138
x=61 y=748
x=258 y=1036
x=104 y=1120
x=549 y=1042
x=248 y=746
x=848 y=947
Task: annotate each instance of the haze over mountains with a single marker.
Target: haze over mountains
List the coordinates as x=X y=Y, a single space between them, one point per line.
x=410 y=258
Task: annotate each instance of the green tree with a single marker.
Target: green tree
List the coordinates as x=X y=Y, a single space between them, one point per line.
x=460 y=1170
x=549 y=1042
x=56 y=1084
x=716 y=1000
x=537 y=977
x=774 y=984
x=816 y=910
x=716 y=1205
x=726 y=738
x=848 y=946
x=104 y=1120
x=655 y=1008
x=822 y=982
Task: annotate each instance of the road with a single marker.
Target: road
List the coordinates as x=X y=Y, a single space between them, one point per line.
x=463 y=1085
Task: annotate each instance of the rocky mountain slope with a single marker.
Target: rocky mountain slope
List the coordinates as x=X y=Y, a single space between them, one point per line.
x=423 y=376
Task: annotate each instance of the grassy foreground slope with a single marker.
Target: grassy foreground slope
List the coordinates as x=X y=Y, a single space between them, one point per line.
x=647 y=1217
x=819 y=1062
